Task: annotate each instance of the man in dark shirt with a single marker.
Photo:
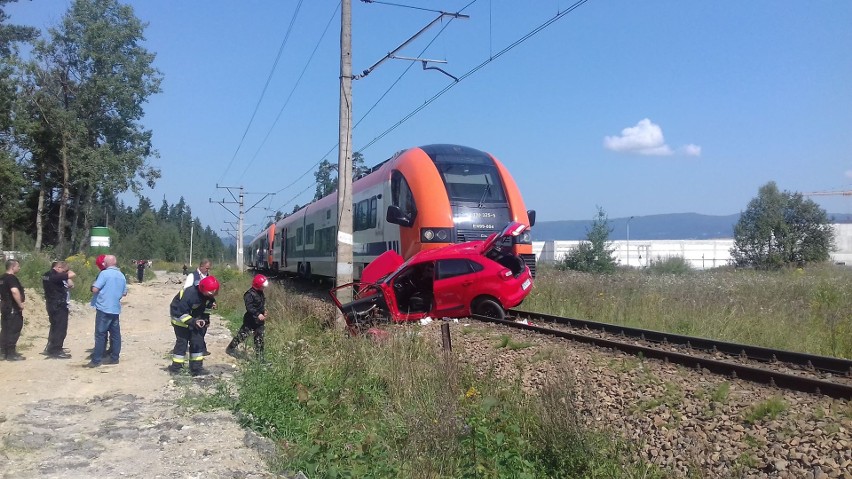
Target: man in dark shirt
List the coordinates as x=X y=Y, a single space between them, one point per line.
x=12 y=299
x=57 y=281
x=140 y=269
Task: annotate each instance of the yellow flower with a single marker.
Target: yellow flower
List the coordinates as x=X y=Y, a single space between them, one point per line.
x=472 y=392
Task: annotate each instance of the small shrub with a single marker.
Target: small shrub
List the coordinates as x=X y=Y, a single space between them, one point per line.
x=770 y=408
x=720 y=394
x=669 y=265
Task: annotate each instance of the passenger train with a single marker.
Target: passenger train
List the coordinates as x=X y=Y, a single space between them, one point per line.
x=421 y=198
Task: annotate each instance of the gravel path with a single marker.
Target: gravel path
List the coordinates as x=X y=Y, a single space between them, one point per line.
x=60 y=420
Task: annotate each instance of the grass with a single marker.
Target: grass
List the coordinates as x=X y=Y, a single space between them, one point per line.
x=770 y=408
x=798 y=309
x=338 y=406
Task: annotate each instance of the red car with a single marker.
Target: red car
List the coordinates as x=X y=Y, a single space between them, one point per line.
x=477 y=277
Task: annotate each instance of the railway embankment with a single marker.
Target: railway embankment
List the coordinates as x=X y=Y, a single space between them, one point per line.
x=690 y=423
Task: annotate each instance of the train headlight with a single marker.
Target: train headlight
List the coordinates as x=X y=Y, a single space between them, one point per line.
x=436 y=235
x=524 y=238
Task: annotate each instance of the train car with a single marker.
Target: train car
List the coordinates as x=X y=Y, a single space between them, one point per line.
x=421 y=198
x=258 y=255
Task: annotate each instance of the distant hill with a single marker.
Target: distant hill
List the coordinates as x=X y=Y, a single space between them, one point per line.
x=653 y=227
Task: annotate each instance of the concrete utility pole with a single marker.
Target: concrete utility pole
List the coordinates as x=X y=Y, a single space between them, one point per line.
x=239 y=200
x=239 y=219
x=344 y=156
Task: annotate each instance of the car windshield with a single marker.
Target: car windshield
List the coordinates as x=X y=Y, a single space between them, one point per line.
x=472 y=183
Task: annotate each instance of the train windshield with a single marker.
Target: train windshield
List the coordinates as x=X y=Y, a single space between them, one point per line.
x=472 y=183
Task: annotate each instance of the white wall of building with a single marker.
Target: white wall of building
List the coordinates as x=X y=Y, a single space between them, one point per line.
x=700 y=254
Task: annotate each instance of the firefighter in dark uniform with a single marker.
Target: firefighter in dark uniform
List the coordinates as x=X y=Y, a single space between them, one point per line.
x=190 y=320
x=254 y=319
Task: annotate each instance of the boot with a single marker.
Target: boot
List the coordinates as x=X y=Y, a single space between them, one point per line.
x=231 y=350
x=197 y=369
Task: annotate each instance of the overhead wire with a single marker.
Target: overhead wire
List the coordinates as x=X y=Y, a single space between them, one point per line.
x=558 y=16
x=265 y=87
x=376 y=103
x=475 y=69
x=290 y=95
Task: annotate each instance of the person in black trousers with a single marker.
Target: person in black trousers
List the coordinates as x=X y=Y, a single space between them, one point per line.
x=254 y=319
x=12 y=299
x=57 y=282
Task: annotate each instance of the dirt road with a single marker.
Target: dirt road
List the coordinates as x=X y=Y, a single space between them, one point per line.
x=59 y=419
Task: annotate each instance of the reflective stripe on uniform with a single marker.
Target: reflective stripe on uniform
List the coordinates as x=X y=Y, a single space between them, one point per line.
x=178 y=358
x=196 y=356
x=181 y=321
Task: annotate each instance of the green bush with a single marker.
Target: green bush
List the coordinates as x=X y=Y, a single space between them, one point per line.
x=669 y=265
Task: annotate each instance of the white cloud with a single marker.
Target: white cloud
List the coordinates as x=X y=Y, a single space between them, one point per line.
x=848 y=173
x=646 y=138
x=691 y=150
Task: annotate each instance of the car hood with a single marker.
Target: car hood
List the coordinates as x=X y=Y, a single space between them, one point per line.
x=385 y=264
x=511 y=230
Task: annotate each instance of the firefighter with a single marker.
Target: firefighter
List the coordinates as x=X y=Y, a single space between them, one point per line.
x=190 y=321
x=254 y=319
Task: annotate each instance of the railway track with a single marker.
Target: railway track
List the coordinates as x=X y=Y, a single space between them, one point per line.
x=784 y=369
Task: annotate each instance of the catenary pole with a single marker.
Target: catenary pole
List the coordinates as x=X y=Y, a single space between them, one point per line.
x=344 y=157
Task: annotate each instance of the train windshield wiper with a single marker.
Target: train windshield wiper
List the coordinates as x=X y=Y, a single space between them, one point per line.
x=485 y=193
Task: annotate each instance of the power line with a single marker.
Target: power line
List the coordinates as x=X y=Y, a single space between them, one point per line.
x=287 y=101
x=311 y=168
x=517 y=42
x=558 y=16
x=268 y=79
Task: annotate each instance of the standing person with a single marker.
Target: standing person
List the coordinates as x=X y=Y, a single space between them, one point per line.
x=189 y=320
x=12 y=299
x=140 y=269
x=193 y=279
x=109 y=287
x=196 y=276
x=184 y=269
x=57 y=282
x=99 y=262
x=254 y=318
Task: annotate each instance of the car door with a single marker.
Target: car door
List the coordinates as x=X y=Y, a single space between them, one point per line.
x=455 y=279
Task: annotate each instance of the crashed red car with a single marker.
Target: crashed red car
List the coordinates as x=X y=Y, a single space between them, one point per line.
x=477 y=277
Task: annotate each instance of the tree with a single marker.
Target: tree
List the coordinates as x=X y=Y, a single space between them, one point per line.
x=595 y=254
x=326 y=175
x=780 y=228
x=11 y=174
x=86 y=87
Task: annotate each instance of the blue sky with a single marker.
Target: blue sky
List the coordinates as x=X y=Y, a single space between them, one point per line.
x=638 y=107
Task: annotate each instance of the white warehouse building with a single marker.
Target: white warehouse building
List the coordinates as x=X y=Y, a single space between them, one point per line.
x=700 y=254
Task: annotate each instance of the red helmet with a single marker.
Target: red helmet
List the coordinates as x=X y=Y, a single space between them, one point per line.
x=100 y=262
x=209 y=286
x=259 y=282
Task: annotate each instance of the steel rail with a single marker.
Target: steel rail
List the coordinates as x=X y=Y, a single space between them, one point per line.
x=750 y=373
x=827 y=364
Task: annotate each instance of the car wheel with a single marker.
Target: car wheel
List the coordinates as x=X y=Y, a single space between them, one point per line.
x=488 y=307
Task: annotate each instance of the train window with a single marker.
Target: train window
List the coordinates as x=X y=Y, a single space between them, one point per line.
x=299 y=232
x=309 y=234
x=328 y=214
x=402 y=196
x=373 y=207
x=472 y=183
